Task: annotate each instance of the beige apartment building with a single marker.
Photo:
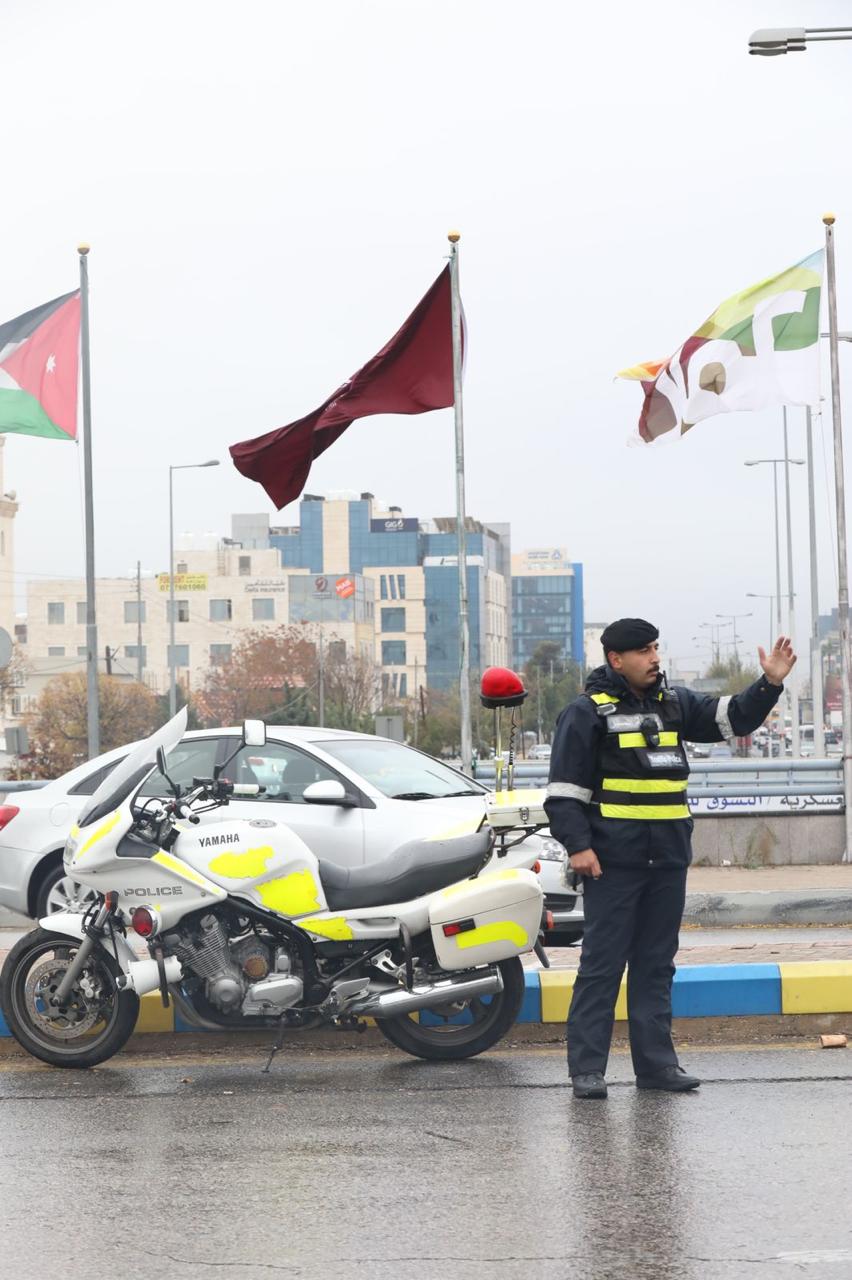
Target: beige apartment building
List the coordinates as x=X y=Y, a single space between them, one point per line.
x=220 y=593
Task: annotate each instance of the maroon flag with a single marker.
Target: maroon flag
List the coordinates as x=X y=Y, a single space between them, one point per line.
x=411 y=374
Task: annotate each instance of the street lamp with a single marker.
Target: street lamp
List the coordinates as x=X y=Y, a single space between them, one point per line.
x=781 y=42
x=796 y=462
x=761 y=595
x=787 y=462
x=771 y=42
x=185 y=466
x=732 y=620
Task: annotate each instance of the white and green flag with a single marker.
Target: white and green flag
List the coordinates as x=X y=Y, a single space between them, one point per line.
x=758 y=349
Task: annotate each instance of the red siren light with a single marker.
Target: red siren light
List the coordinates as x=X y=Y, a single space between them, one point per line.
x=501 y=687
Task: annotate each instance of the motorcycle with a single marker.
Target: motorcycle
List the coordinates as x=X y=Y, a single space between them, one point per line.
x=242 y=926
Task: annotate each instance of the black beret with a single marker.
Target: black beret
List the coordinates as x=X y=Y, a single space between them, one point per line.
x=628 y=633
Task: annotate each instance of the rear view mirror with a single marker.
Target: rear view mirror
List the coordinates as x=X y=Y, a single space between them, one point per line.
x=254 y=733
x=327 y=792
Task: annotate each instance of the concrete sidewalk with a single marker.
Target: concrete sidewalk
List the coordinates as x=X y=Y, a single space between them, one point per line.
x=801 y=895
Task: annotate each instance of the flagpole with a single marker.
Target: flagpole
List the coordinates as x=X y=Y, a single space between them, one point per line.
x=842 y=567
x=464 y=622
x=92 y=701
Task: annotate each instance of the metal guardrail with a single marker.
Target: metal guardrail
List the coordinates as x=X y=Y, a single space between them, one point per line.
x=717 y=778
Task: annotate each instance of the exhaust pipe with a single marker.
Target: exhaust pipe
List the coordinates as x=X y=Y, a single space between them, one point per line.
x=394 y=1003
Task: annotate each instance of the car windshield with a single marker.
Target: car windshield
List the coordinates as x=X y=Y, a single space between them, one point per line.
x=399 y=771
x=136 y=765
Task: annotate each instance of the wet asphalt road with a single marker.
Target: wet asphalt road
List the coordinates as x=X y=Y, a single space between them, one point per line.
x=367 y=1164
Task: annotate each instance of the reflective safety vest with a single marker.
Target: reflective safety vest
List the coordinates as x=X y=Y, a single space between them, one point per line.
x=643 y=764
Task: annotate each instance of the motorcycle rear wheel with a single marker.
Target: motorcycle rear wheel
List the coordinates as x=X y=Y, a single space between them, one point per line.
x=451 y=1042
x=98 y=1019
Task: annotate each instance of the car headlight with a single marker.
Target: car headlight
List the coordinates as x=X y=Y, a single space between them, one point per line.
x=551 y=850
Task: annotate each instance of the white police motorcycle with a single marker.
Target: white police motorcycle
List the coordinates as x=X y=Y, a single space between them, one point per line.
x=240 y=925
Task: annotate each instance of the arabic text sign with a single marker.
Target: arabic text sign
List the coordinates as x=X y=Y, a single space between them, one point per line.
x=745 y=806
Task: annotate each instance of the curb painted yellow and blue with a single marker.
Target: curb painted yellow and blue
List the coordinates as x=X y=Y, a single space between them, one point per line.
x=700 y=991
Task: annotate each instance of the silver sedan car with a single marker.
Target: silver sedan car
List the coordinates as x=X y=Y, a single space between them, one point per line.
x=382 y=794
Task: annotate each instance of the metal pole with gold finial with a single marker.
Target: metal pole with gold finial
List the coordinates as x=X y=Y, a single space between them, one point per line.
x=92 y=699
x=464 y=621
x=842 y=566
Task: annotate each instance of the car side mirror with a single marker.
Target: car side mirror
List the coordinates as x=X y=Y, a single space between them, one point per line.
x=254 y=733
x=329 y=791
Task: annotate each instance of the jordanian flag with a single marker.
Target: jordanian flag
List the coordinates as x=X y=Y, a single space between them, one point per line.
x=758 y=349
x=38 y=370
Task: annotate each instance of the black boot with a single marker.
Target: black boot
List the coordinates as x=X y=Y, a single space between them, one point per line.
x=591 y=1085
x=670 y=1079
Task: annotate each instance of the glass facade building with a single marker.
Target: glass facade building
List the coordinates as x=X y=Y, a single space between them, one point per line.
x=349 y=536
x=548 y=606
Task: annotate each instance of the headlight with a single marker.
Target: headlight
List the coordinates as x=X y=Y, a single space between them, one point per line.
x=551 y=850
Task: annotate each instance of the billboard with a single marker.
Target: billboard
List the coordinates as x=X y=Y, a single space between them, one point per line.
x=395 y=524
x=183 y=581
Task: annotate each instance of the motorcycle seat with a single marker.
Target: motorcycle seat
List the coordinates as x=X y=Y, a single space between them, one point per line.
x=414 y=869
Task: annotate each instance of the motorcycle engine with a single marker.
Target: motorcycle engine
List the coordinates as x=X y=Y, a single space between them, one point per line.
x=227 y=968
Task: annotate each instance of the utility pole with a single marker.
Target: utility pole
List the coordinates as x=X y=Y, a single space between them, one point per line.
x=139 y=662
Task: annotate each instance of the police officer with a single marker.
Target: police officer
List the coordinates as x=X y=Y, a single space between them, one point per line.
x=617 y=802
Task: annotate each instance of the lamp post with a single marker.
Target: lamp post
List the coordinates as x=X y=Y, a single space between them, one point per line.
x=731 y=620
x=715 y=630
x=185 y=466
x=787 y=462
x=761 y=595
x=771 y=42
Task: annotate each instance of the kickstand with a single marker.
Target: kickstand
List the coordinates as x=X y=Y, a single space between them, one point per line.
x=279 y=1042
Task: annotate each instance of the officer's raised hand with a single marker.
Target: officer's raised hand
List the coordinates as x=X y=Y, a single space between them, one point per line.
x=586 y=863
x=780 y=661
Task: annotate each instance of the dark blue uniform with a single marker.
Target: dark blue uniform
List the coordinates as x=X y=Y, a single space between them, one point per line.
x=618 y=774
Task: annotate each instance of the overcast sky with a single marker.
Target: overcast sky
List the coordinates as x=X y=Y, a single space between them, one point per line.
x=267 y=189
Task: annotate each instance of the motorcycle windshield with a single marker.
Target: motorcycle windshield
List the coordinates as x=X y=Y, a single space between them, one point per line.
x=133 y=769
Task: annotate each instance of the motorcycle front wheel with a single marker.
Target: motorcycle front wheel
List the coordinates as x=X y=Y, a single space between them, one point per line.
x=94 y=1023
x=441 y=1034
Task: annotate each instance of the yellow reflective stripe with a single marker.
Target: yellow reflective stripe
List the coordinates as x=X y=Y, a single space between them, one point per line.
x=601 y=698
x=103 y=830
x=668 y=738
x=294 y=895
x=648 y=811
x=500 y=931
x=642 y=784
x=179 y=868
x=336 y=928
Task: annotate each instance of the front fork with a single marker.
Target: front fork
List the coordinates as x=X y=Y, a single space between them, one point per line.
x=94 y=932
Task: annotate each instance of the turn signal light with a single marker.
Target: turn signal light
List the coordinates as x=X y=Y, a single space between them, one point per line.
x=548 y=919
x=536 y=866
x=7 y=813
x=143 y=922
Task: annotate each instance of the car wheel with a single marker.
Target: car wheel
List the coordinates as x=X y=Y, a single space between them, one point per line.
x=60 y=892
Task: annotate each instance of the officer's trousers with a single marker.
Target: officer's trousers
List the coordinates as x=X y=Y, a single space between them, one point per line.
x=632 y=917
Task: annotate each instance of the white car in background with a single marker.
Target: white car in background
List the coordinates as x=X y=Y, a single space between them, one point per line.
x=353 y=798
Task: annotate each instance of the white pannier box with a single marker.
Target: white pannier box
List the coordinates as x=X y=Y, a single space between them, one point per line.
x=491 y=918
